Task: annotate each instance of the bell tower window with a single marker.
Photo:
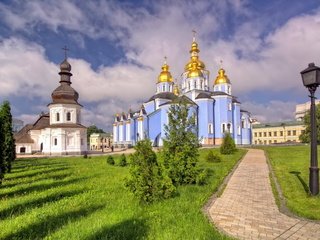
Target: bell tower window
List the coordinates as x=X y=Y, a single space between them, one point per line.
x=68 y=116
x=58 y=117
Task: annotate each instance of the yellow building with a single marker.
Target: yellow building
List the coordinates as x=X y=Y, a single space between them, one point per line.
x=274 y=133
x=100 y=141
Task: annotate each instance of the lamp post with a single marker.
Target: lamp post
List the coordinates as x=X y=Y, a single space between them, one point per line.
x=311 y=80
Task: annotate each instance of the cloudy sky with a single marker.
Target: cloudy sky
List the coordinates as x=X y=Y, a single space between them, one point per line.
x=117 y=49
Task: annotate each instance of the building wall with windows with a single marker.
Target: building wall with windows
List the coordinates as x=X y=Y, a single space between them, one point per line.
x=274 y=133
x=301 y=109
x=100 y=141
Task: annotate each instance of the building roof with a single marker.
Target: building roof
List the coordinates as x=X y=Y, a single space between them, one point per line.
x=42 y=122
x=163 y=95
x=204 y=95
x=66 y=125
x=23 y=135
x=278 y=124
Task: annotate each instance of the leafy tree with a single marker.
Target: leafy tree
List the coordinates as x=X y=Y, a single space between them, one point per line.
x=93 y=129
x=9 y=148
x=123 y=160
x=180 y=147
x=147 y=181
x=228 y=146
x=305 y=136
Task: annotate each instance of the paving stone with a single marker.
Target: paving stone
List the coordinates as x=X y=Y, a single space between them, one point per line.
x=247 y=208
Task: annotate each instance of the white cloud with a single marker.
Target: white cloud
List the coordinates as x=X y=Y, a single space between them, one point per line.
x=271 y=63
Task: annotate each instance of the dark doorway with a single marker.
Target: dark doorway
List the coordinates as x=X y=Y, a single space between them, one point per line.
x=22 y=150
x=41 y=147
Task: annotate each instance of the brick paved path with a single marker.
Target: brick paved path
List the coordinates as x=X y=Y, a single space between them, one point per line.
x=247 y=209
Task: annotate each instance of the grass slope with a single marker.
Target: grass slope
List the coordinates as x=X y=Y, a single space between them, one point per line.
x=291 y=166
x=76 y=198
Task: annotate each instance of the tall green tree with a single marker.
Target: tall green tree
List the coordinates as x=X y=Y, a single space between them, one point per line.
x=180 y=147
x=9 y=148
x=147 y=181
x=228 y=145
x=2 y=162
x=305 y=136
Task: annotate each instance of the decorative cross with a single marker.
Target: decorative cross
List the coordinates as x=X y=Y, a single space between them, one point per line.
x=194 y=32
x=165 y=59
x=65 y=51
x=221 y=62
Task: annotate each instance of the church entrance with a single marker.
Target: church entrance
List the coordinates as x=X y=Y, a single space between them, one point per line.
x=156 y=140
x=22 y=150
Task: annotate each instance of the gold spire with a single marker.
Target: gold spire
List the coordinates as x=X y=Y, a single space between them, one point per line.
x=194 y=56
x=165 y=75
x=222 y=77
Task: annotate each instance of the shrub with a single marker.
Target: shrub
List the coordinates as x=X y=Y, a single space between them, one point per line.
x=228 y=146
x=147 y=181
x=110 y=160
x=213 y=157
x=123 y=161
x=202 y=177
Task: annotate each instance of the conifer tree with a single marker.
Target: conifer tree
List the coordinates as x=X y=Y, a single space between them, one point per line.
x=228 y=146
x=180 y=147
x=2 y=163
x=147 y=181
x=9 y=150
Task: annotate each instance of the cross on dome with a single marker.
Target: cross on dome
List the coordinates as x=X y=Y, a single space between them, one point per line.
x=65 y=51
x=194 y=32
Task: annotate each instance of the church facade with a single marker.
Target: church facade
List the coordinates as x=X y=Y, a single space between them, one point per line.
x=216 y=111
x=58 y=132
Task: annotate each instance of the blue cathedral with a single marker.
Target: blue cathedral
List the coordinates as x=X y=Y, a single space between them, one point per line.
x=216 y=111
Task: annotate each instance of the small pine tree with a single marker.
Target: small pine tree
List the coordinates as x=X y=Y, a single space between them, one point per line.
x=228 y=146
x=9 y=148
x=123 y=161
x=110 y=160
x=180 y=147
x=213 y=157
x=147 y=181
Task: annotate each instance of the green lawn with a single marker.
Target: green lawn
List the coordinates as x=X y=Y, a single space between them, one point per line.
x=291 y=166
x=77 y=198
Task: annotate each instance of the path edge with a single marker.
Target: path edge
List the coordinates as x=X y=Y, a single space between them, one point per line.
x=206 y=208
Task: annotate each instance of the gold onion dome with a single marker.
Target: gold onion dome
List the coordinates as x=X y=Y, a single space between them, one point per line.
x=194 y=58
x=194 y=71
x=165 y=75
x=222 y=77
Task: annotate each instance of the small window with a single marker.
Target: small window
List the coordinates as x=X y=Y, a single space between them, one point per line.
x=256 y=142
x=210 y=128
x=255 y=134
x=58 y=117
x=55 y=142
x=68 y=116
x=242 y=124
x=265 y=142
x=274 y=134
x=289 y=133
x=163 y=88
x=275 y=141
x=294 y=132
x=230 y=106
x=269 y=141
x=223 y=127
x=265 y=134
x=260 y=134
x=269 y=134
x=281 y=133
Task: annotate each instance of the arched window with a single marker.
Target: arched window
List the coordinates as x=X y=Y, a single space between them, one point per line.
x=68 y=116
x=58 y=117
x=55 y=142
x=163 y=88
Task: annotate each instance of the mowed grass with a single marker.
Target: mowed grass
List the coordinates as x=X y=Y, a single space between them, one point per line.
x=291 y=166
x=77 y=198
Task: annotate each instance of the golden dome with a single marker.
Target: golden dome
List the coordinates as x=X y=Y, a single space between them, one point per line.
x=194 y=58
x=165 y=75
x=194 y=71
x=221 y=78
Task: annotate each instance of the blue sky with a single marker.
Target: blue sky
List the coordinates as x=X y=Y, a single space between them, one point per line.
x=117 y=49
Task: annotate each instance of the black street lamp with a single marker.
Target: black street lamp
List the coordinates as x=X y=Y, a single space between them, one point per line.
x=311 y=80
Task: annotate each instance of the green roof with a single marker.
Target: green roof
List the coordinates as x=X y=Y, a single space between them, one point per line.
x=278 y=124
